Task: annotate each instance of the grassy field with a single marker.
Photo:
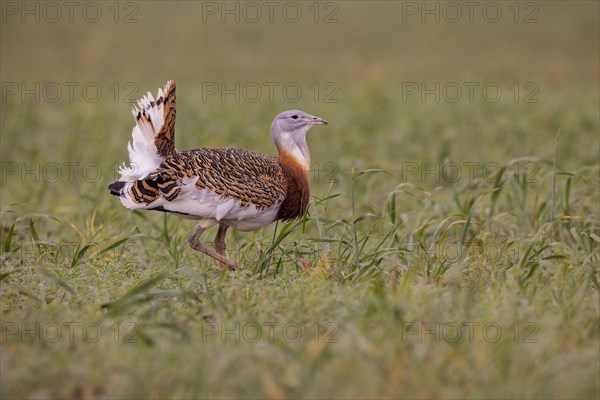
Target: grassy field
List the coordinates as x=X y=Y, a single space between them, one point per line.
x=452 y=244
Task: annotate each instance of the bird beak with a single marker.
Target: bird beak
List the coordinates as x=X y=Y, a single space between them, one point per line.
x=316 y=121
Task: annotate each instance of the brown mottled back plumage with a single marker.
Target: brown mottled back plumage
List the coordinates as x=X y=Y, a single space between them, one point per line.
x=246 y=176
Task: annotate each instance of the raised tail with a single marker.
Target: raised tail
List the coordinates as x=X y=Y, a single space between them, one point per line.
x=165 y=140
x=153 y=137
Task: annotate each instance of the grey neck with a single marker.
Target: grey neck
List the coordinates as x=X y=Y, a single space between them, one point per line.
x=292 y=143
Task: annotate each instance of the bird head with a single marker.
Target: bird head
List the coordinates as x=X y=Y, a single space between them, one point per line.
x=289 y=134
x=295 y=121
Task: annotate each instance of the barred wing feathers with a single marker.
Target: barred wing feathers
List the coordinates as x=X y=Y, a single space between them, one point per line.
x=220 y=183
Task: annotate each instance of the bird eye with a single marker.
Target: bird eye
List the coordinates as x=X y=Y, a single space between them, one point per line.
x=294 y=116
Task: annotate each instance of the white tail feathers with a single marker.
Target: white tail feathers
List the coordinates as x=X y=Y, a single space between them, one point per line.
x=144 y=157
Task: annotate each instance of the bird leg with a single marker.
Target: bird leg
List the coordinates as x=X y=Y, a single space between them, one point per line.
x=220 y=245
x=195 y=244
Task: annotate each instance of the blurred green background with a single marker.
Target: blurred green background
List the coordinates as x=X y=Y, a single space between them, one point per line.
x=354 y=66
x=354 y=62
x=371 y=69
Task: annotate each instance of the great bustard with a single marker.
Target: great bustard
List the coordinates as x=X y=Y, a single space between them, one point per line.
x=231 y=187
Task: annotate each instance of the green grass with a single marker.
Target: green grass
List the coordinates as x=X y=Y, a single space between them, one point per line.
x=404 y=280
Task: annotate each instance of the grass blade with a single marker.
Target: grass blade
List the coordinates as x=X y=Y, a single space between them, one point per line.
x=60 y=281
x=119 y=305
x=33 y=232
x=554 y=179
x=79 y=253
x=4 y=275
x=113 y=245
x=9 y=238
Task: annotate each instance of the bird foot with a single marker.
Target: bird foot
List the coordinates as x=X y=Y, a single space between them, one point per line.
x=223 y=261
x=220 y=267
